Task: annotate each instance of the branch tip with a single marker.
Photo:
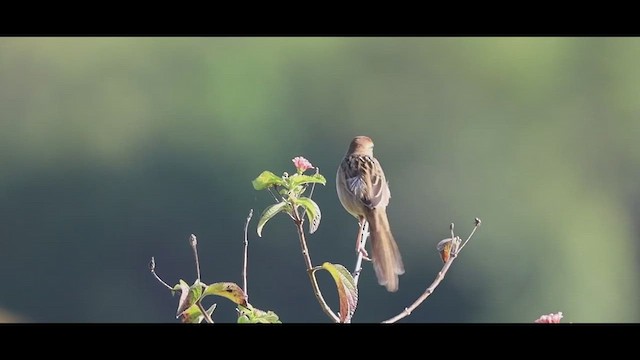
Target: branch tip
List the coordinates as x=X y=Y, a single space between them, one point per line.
x=194 y=245
x=449 y=249
x=310 y=271
x=152 y=267
x=245 y=262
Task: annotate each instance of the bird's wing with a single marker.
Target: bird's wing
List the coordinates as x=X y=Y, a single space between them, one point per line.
x=367 y=182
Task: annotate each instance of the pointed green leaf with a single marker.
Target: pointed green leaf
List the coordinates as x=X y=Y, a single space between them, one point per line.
x=313 y=213
x=253 y=315
x=268 y=317
x=245 y=314
x=299 y=179
x=188 y=295
x=176 y=289
x=196 y=289
x=183 y=303
x=268 y=213
x=211 y=309
x=228 y=290
x=192 y=315
x=265 y=180
x=347 y=290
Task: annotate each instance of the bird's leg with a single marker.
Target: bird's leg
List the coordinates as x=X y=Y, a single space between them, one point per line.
x=359 y=246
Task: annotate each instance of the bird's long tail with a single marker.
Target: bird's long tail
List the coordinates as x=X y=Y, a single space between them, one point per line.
x=386 y=257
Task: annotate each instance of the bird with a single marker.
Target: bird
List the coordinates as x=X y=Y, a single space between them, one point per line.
x=364 y=193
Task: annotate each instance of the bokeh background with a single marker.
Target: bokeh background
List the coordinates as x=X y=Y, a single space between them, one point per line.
x=116 y=149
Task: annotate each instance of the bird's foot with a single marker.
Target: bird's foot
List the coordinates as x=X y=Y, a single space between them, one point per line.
x=365 y=255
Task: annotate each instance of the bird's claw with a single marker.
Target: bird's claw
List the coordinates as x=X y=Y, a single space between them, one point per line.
x=364 y=253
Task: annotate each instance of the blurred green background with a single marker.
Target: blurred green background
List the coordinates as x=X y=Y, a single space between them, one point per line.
x=116 y=149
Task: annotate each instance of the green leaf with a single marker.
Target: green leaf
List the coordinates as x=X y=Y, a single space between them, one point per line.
x=228 y=290
x=266 y=180
x=184 y=294
x=188 y=295
x=185 y=300
x=268 y=317
x=211 y=309
x=313 y=212
x=193 y=315
x=270 y=212
x=347 y=290
x=299 y=179
x=251 y=315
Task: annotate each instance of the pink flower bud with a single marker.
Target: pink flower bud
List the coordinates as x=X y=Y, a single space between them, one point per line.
x=550 y=319
x=301 y=164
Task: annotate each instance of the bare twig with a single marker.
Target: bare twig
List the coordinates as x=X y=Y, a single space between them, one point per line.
x=207 y=318
x=314 y=283
x=454 y=254
x=272 y=194
x=194 y=245
x=276 y=194
x=152 y=267
x=477 y=223
x=313 y=185
x=363 y=234
x=407 y=311
x=451 y=228
x=246 y=255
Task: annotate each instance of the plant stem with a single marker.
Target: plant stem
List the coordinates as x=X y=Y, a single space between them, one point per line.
x=407 y=311
x=363 y=233
x=477 y=223
x=246 y=256
x=152 y=267
x=454 y=254
x=194 y=245
x=314 y=283
x=207 y=318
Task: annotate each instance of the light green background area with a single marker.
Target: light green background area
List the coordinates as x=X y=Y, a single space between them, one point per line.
x=114 y=150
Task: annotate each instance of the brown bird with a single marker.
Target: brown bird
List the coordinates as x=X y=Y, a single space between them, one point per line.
x=364 y=193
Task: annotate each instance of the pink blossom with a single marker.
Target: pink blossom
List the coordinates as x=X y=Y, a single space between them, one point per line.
x=301 y=164
x=550 y=319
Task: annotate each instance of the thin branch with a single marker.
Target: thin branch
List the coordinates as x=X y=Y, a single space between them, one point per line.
x=246 y=255
x=207 y=318
x=194 y=245
x=272 y=194
x=454 y=254
x=477 y=223
x=313 y=185
x=275 y=197
x=364 y=233
x=152 y=267
x=451 y=228
x=314 y=283
x=407 y=311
